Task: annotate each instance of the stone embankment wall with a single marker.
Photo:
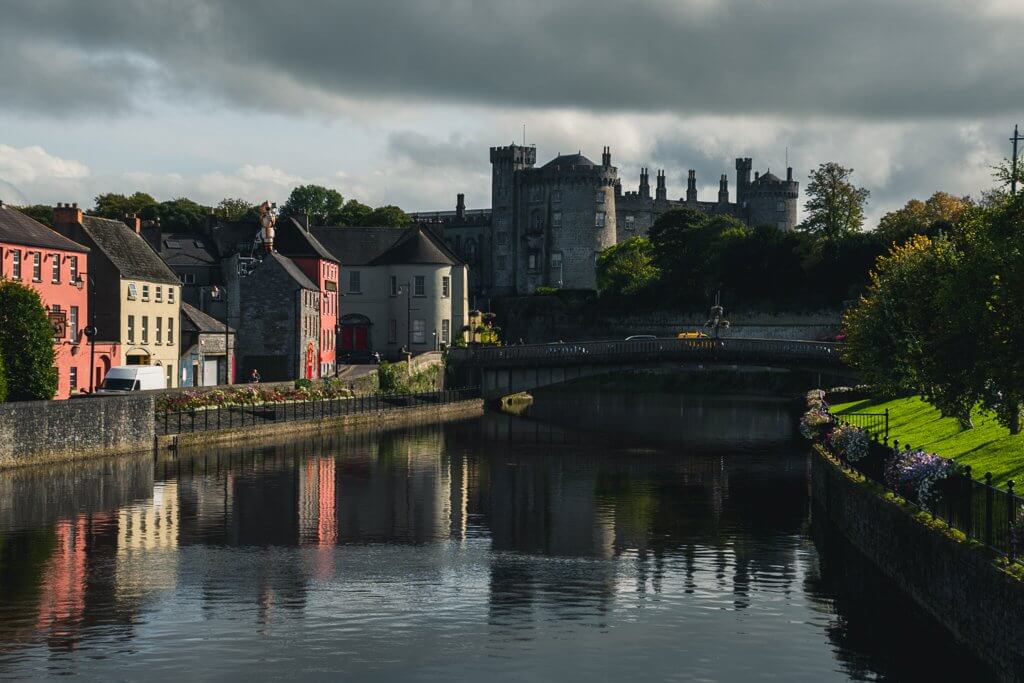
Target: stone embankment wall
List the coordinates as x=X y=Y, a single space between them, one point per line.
x=52 y=431
x=981 y=605
x=542 y=319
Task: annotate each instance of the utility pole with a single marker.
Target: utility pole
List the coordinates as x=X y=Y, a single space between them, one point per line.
x=1013 y=169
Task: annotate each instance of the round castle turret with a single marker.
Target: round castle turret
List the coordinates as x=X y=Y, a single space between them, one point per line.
x=772 y=201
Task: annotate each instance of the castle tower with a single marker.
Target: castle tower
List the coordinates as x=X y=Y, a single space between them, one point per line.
x=645 y=185
x=743 y=168
x=507 y=164
x=691 y=187
x=660 y=192
x=772 y=201
x=723 y=190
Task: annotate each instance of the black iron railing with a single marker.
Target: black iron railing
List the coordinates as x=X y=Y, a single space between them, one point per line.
x=876 y=423
x=983 y=512
x=251 y=415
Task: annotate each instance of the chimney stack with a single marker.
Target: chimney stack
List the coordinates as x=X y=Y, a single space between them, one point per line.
x=789 y=174
x=691 y=187
x=460 y=206
x=645 y=184
x=133 y=221
x=606 y=157
x=660 y=192
x=723 y=189
x=66 y=218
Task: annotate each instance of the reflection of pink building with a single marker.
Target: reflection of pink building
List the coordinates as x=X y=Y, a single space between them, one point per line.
x=58 y=269
x=318 y=524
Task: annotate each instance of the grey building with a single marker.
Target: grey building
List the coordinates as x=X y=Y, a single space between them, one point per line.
x=193 y=258
x=203 y=341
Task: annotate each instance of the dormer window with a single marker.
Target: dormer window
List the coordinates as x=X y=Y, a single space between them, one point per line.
x=133 y=292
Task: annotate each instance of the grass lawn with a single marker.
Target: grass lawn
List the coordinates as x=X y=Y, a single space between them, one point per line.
x=988 y=447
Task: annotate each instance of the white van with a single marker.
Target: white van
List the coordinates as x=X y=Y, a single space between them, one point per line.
x=133 y=378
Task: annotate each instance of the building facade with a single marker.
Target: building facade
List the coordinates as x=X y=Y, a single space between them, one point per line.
x=135 y=294
x=57 y=269
x=208 y=348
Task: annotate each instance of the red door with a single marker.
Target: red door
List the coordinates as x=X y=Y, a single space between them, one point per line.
x=346 y=337
x=362 y=341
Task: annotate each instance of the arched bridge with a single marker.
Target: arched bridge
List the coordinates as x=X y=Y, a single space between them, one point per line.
x=500 y=371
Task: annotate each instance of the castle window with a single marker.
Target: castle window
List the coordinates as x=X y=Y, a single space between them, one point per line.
x=780 y=206
x=531 y=262
x=556 y=196
x=556 y=219
x=600 y=197
x=630 y=222
x=556 y=268
x=536 y=194
x=599 y=219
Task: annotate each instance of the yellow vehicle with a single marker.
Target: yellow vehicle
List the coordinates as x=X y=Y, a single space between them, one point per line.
x=691 y=335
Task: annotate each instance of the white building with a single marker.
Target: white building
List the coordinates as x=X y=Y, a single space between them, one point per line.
x=402 y=288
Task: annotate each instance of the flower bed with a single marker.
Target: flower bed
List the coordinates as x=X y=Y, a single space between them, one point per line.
x=250 y=394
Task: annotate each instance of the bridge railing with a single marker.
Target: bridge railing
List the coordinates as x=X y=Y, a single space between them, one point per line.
x=739 y=350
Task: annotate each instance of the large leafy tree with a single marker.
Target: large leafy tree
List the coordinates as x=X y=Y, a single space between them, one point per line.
x=388 y=217
x=355 y=213
x=26 y=344
x=938 y=214
x=3 y=379
x=627 y=269
x=43 y=213
x=235 y=210
x=321 y=205
x=178 y=215
x=675 y=238
x=835 y=206
x=113 y=205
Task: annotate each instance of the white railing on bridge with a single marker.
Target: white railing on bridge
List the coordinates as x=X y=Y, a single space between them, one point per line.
x=738 y=350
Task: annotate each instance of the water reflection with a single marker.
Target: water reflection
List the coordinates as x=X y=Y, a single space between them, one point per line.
x=547 y=547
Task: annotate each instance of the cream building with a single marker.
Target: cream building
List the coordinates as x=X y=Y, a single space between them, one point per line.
x=135 y=296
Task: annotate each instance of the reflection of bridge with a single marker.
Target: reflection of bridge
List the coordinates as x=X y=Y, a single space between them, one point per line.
x=506 y=370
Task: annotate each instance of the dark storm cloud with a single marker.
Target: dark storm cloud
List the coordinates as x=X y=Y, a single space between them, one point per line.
x=427 y=153
x=870 y=59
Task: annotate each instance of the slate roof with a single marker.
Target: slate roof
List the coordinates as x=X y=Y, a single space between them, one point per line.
x=129 y=252
x=293 y=239
x=17 y=228
x=187 y=249
x=569 y=160
x=294 y=271
x=769 y=177
x=418 y=246
x=357 y=246
x=203 y=322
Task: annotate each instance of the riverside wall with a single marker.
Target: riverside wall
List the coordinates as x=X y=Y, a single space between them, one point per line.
x=959 y=585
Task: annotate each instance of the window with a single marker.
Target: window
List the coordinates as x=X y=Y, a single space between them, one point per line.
x=159 y=329
x=780 y=207
x=170 y=295
x=419 y=331
x=782 y=225
x=531 y=262
x=556 y=196
x=536 y=193
x=159 y=293
x=502 y=263
x=55 y=268
x=354 y=285
x=170 y=331
x=73 y=378
x=16 y=264
x=132 y=290
x=394 y=285
x=502 y=238
x=556 y=219
x=145 y=292
x=131 y=329
x=74 y=268
x=599 y=219
x=170 y=375
x=74 y=324
x=392 y=331
x=37 y=268
x=419 y=286
x=145 y=329
x=600 y=197
x=188 y=278
x=446 y=330
x=556 y=268
x=446 y=285
x=631 y=222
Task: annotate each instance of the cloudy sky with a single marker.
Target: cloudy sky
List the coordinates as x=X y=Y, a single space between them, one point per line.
x=397 y=101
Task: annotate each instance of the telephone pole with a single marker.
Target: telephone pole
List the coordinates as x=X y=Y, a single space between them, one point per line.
x=1013 y=168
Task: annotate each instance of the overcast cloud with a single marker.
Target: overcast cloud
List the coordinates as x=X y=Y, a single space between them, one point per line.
x=397 y=101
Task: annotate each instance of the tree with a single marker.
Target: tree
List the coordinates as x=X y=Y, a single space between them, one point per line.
x=675 y=237
x=178 y=215
x=26 y=344
x=321 y=205
x=236 y=210
x=3 y=379
x=42 y=213
x=355 y=213
x=627 y=269
x=834 y=205
x=388 y=217
x=118 y=206
x=939 y=213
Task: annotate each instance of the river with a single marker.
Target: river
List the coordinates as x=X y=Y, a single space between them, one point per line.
x=599 y=536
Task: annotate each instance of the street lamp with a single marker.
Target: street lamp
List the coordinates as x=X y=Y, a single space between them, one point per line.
x=221 y=294
x=408 y=315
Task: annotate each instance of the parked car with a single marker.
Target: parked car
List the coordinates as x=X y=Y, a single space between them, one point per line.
x=361 y=357
x=641 y=337
x=693 y=334
x=124 y=378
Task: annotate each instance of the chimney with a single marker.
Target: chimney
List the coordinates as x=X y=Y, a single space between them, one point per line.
x=723 y=189
x=789 y=174
x=691 y=187
x=660 y=192
x=757 y=174
x=460 y=206
x=133 y=221
x=606 y=157
x=67 y=218
x=645 y=185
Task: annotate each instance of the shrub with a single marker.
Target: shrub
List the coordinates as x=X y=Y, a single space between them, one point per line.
x=3 y=380
x=26 y=344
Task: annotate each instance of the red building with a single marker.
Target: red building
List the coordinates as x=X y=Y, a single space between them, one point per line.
x=57 y=268
x=320 y=266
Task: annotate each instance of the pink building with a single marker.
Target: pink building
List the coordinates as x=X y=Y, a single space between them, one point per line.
x=57 y=268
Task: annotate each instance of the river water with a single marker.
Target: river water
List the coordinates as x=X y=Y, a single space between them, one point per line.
x=600 y=536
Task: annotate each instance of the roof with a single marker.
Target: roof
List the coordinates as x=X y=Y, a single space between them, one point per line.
x=357 y=246
x=569 y=160
x=128 y=251
x=17 y=228
x=294 y=239
x=294 y=271
x=769 y=177
x=187 y=249
x=418 y=245
x=202 y=321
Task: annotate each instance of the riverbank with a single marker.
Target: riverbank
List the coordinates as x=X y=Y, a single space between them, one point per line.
x=987 y=447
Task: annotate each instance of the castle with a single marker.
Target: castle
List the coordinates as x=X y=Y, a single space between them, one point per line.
x=547 y=224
